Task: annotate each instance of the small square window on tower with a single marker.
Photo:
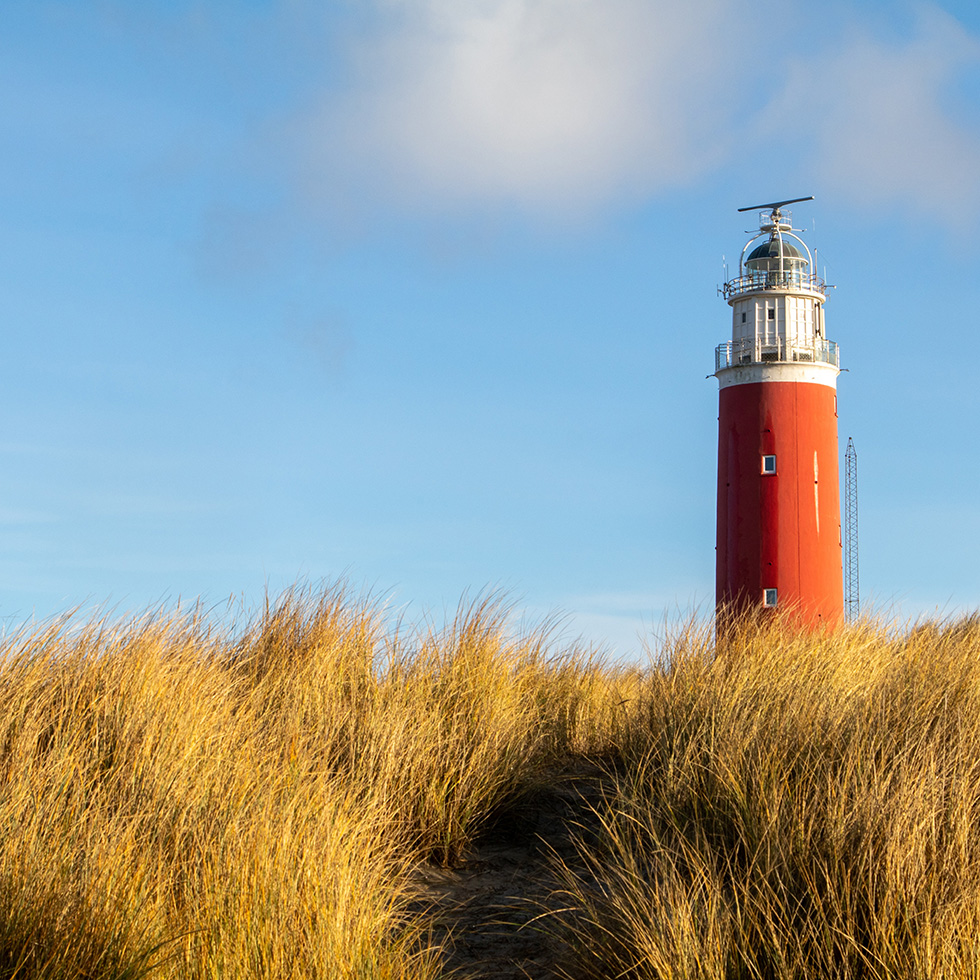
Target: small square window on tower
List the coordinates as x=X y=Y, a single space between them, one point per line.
x=769 y=598
x=772 y=313
x=768 y=465
x=743 y=318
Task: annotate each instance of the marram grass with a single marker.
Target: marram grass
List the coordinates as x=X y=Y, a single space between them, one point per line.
x=181 y=801
x=793 y=807
x=178 y=802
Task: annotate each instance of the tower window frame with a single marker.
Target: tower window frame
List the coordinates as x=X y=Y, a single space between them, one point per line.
x=770 y=598
x=769 y=464
x=771 y=313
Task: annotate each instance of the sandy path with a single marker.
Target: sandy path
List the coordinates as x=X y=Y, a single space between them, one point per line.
x=494 y=908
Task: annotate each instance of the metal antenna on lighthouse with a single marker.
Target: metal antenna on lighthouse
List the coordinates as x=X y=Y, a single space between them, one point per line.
x=852 y=590
x=776 y=205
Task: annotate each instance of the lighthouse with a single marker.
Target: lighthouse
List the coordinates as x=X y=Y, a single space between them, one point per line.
x=778 y=526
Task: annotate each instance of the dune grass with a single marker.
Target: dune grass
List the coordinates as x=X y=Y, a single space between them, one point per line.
x=179 y=800
x=793 y=807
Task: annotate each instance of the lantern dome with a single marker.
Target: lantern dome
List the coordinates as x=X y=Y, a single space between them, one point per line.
x=776 y=255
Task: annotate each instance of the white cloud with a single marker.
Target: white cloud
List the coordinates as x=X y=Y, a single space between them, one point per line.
x=563 y=106
x=543 y=103
x=876 y=120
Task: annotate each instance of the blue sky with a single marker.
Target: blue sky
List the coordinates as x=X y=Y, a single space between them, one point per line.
x=422 y=294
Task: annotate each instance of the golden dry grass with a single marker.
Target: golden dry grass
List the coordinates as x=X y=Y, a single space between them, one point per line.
x=181 y=801
x=798 y=807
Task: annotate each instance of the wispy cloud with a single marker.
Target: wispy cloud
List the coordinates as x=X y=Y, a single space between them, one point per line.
x=877 y=119
x=542 y=103
x=324 y=341
x=563 y=106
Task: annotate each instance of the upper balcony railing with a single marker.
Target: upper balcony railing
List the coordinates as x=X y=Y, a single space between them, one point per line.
x=736 y=353
x=753 y=282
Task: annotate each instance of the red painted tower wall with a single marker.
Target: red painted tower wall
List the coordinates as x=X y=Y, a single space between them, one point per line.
x=780 y=531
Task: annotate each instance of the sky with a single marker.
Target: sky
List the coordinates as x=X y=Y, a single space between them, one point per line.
x=421 y=295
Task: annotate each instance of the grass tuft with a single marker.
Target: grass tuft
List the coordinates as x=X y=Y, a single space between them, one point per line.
x=180 y=802
x=183 y=801
x=799 y=806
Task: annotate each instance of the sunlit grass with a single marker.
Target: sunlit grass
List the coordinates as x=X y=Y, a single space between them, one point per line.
x=798 y=806
x=184 y=801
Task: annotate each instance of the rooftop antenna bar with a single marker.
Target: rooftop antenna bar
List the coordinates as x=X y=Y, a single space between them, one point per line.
x=852 y=589
x=776 y=205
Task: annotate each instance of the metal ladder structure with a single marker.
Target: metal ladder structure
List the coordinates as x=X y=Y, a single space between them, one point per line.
x=852 y=588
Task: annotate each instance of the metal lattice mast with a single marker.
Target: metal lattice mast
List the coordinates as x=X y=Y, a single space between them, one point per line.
x=852 y=588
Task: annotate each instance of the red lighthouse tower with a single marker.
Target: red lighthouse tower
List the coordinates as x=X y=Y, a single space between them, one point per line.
x=779 y=530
